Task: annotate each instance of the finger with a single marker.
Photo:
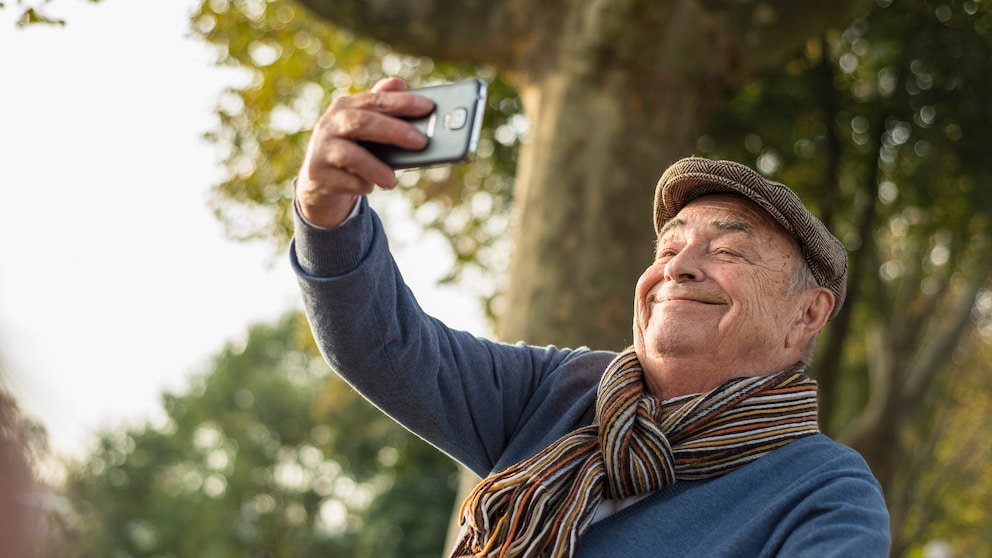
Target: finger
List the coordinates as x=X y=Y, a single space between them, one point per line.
x=342 y=155
x=394 y=103
x=366 y=125
x=389 y=84
x=313 y=190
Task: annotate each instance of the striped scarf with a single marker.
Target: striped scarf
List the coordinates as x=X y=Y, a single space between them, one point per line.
x=638 y=444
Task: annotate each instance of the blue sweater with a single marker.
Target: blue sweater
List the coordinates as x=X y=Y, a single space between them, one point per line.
x=489 y=405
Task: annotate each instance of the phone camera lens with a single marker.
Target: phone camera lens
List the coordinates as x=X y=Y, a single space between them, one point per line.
x=456 y=119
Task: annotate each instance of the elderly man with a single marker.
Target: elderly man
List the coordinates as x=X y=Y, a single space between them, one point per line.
x=700 y=440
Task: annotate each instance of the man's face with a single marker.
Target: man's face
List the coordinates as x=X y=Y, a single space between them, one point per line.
x=718 y=295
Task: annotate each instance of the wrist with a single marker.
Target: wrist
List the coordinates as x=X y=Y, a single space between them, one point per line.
x=331 y=212
x=326 y=211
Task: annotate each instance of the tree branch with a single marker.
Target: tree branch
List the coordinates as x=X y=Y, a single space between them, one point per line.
x=476 y=31
x=937 y=353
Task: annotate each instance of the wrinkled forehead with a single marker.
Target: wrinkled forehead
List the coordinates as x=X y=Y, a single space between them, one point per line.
x=728 y=208
x=731 y=212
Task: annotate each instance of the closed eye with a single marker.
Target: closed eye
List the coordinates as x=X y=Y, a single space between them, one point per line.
x=665 y=254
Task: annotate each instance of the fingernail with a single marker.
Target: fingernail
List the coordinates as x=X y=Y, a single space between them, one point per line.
x=416 y=137
x=423 y=103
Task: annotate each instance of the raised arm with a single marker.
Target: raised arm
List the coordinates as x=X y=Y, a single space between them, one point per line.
x=469 y=396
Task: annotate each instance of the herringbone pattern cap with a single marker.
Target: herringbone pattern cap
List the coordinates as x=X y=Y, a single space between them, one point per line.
x=689 y=178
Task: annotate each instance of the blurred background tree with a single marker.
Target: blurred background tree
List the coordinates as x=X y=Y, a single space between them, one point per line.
x=942 y=493
x=265 y=454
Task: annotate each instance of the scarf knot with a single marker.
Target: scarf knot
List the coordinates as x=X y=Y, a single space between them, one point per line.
x=636 y=454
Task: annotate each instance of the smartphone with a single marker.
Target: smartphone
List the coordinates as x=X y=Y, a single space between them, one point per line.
x=452 y=129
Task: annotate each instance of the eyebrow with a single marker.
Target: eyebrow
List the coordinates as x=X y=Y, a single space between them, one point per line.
x=733 y=226
x=728 y=225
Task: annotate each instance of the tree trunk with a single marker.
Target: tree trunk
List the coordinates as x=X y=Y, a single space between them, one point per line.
x=583 y=227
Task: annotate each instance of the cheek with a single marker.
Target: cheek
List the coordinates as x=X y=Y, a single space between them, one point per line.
x=651 y=276
x=647 y=281
x=759 y=310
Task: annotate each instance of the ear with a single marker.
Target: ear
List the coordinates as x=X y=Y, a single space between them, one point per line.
x=814 y=311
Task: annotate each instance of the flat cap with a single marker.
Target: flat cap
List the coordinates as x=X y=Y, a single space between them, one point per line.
x=692 y=177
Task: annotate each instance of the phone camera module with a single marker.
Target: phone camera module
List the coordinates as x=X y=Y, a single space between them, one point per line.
x=456 y=119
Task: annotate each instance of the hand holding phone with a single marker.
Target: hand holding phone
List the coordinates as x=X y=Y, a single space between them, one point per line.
x=339 y=167
x=452 y=128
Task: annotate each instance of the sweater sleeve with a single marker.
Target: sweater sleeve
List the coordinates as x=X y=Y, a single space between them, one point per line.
x=468 y=396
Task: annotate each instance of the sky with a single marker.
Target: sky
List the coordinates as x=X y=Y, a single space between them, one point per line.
x=116 y=281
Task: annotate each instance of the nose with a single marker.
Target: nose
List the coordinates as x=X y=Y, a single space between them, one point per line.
x=684 y=266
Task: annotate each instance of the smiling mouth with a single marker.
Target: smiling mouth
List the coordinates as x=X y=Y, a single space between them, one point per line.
x=685 y=299
x=655 y=298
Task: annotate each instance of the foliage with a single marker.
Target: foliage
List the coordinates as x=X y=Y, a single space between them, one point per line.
x=268 y=454
x=294 y=66
x=949 y=499
x=34 y=13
